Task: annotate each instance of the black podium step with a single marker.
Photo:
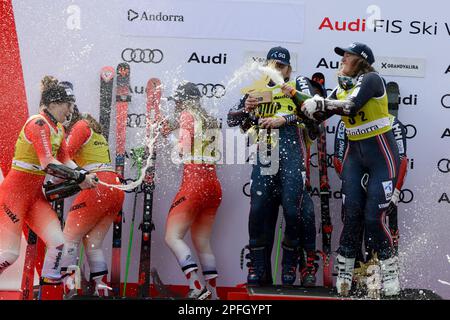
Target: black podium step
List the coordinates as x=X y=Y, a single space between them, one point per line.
x=320 y=293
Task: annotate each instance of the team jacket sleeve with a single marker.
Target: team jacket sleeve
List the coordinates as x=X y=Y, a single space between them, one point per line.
x=368 y=85
x=80 y=133
x=38 y=133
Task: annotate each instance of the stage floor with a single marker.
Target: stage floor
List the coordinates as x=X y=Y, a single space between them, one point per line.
x=321 y=293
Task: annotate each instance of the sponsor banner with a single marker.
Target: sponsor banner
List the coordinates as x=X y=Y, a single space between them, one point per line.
x=402 y=67
x=260 y=56
x=240 y=20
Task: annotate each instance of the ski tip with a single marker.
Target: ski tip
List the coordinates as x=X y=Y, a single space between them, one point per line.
x=107 y=73
x=392 y=87
x=123 y=69
x=153 y=85
x=153 y=82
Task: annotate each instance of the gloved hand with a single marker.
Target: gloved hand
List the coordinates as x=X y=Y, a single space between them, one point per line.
x=394 y=202
x=313 y=105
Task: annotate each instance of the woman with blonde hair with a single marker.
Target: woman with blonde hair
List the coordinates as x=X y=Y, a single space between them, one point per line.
x=370 y=165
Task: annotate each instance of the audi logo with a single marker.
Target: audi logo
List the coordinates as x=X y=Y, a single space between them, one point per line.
x=314 y=162
x=135 y=120
x=142 y=55
x=210 y=90
x=444 y=165
x=445 y=100
x=410 y=131
x=246 y=189
x=406 y=196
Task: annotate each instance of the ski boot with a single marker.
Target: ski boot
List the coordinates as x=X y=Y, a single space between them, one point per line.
x=71 y=281
x=344 y=278
x=309 y=269
x=289 y=264
x=101 y=288
x=198 y=294
x=257 y=267
x=389 y=275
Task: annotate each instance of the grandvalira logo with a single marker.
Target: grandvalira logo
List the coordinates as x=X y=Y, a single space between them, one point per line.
x=210 y=90
x=385 y=65
x=148 y=16
x=142 y=55
x=401 y=66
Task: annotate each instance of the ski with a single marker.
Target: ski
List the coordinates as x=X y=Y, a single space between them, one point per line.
x=106 y=91
x=137 y=154
x=28 y=267
x=318 y=81
x=326 y=226
x=153 y=91
x=123 y=97
x=161 y=288
x=393 y=92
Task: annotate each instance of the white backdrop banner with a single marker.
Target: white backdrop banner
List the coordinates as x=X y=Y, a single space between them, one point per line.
x=74 y=40
x=239 y=20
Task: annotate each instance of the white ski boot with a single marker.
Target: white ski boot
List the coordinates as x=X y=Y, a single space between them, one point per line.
x=389 y=274
x=345 y=268
x=197 y=294
x=71 y=280
x=101 y=288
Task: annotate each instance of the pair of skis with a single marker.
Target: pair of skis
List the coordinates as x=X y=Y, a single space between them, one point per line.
x=123 y=97
x=154 y=92
x=326 y=227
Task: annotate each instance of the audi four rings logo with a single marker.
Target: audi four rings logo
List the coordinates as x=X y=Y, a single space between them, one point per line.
x=314 y=162
x=406 y=196
x=246 y=189
x=210 y=90
x=444 y=165
x=135 y=120
x=410 y=131
x=142 y=55
x=445 y=100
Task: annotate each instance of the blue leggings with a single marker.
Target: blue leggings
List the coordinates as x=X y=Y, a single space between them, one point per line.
x=370 y=163
x=284 y=188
